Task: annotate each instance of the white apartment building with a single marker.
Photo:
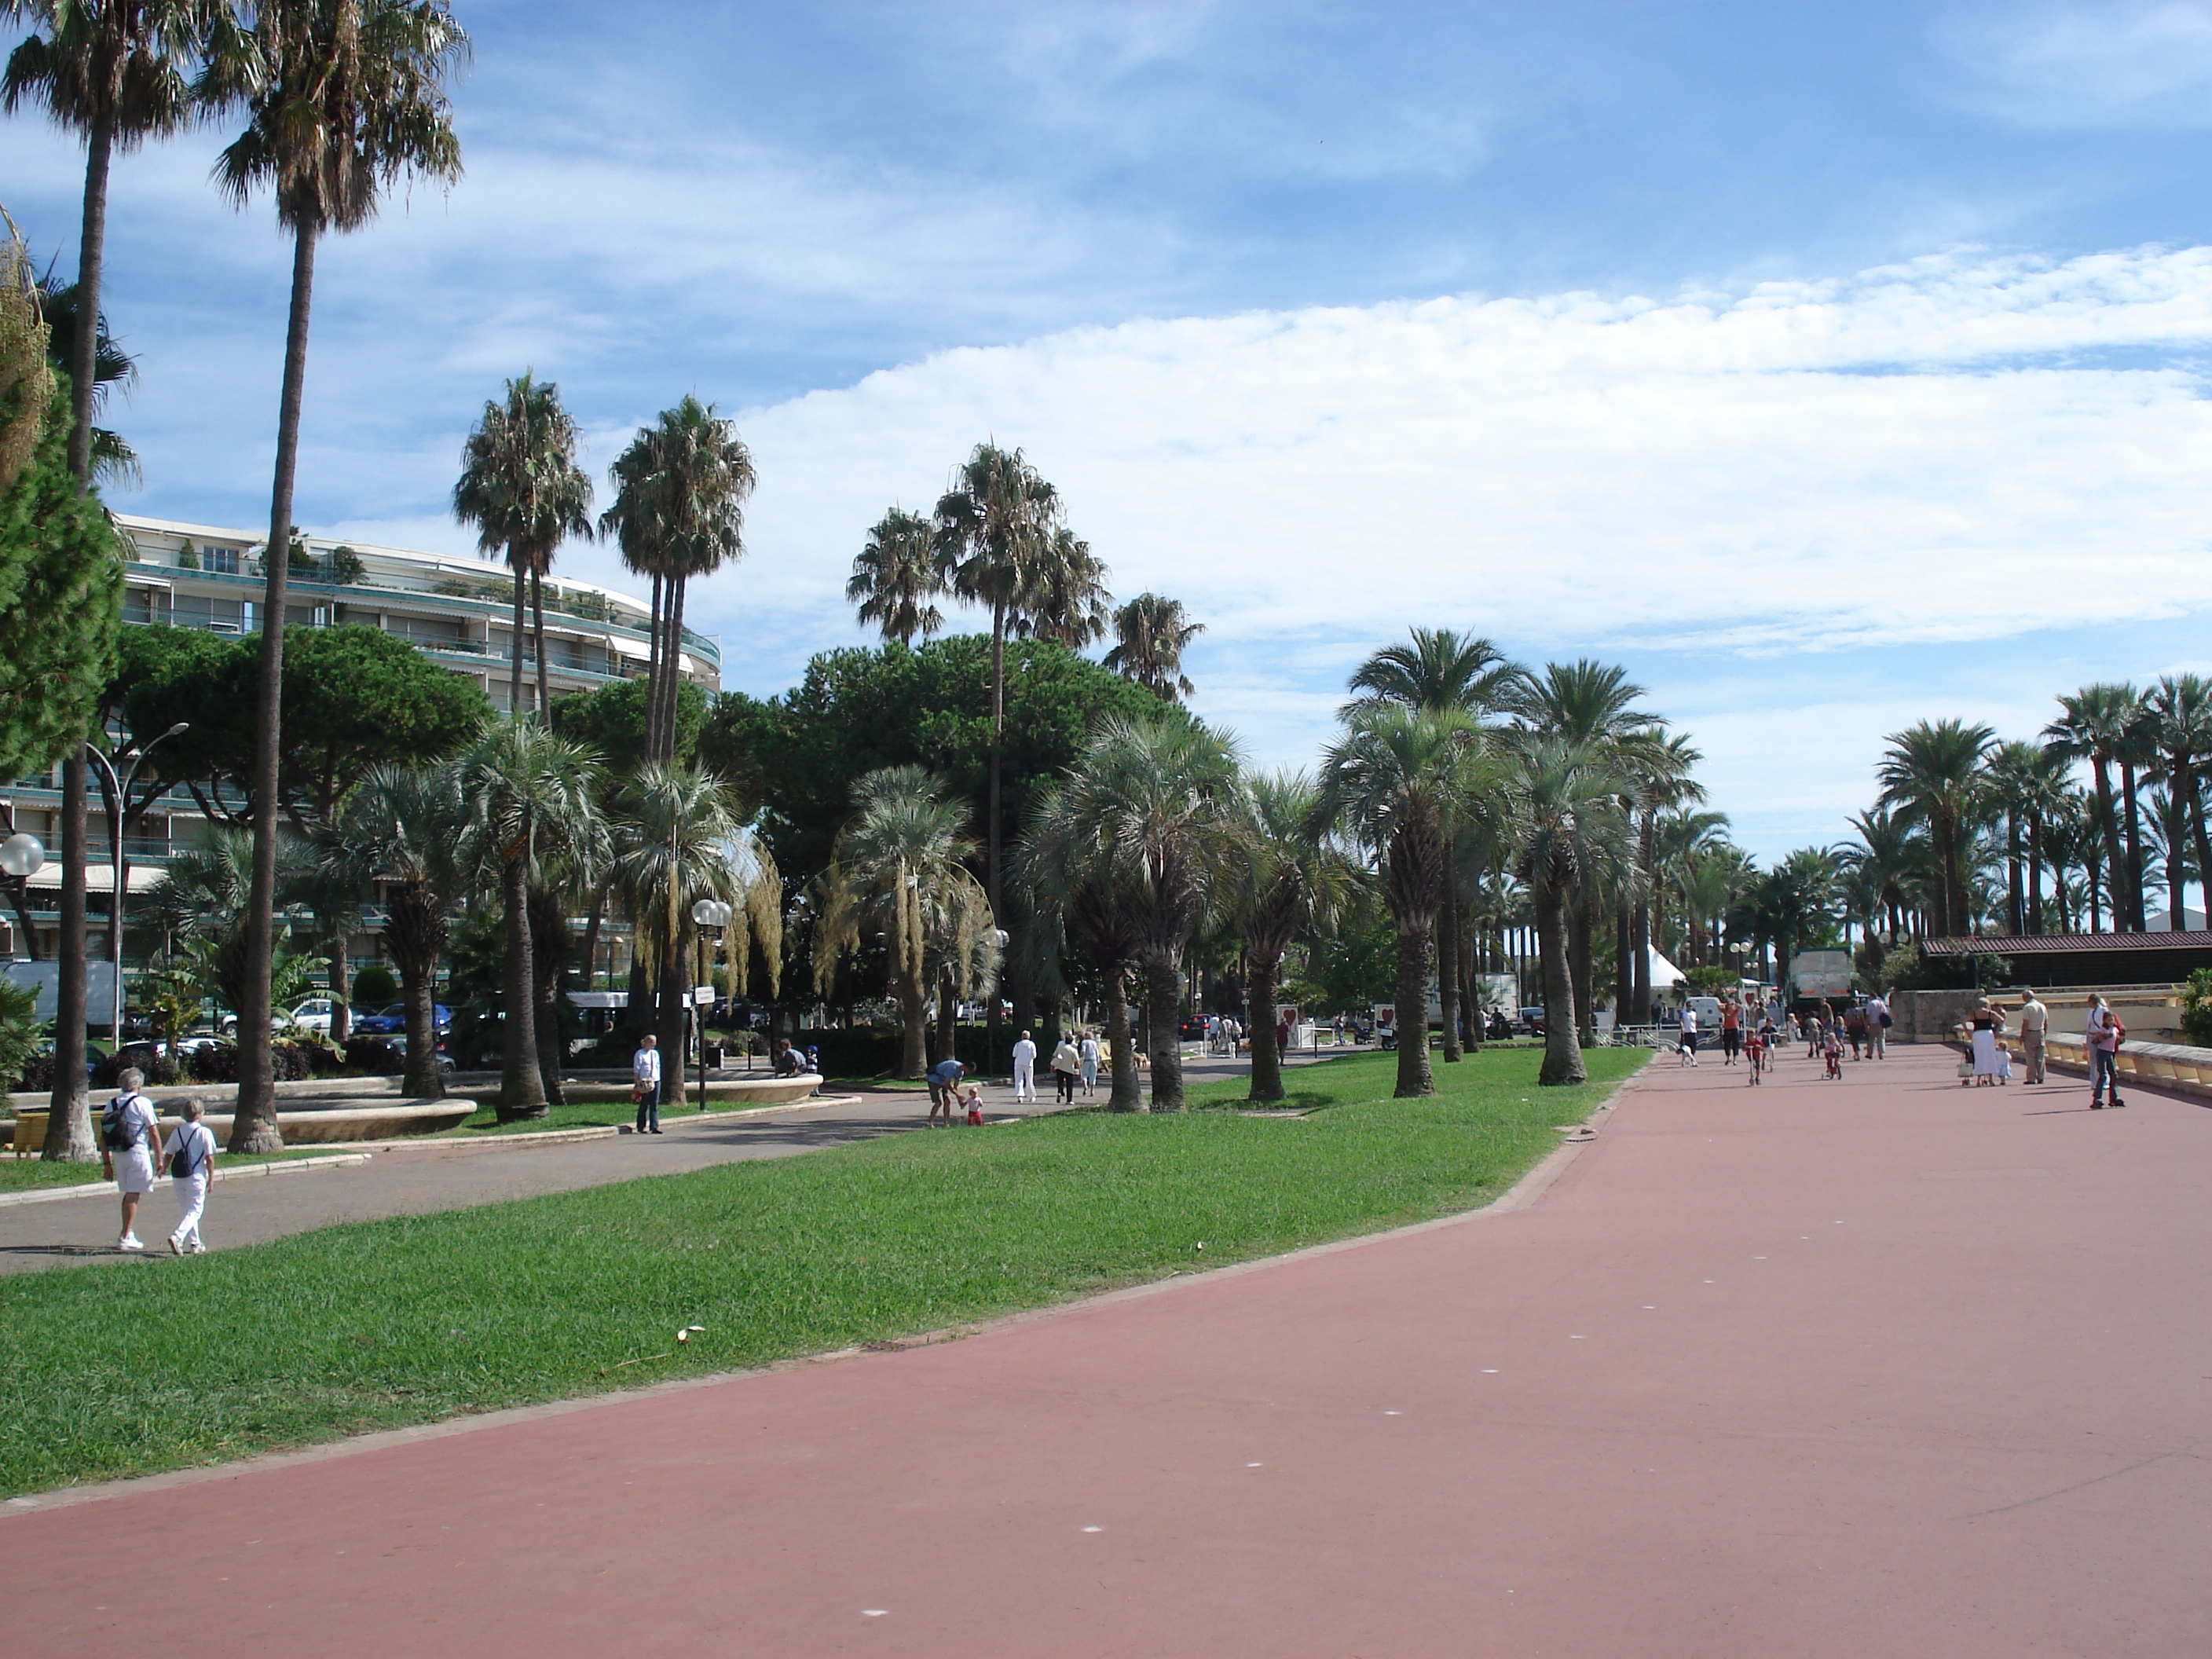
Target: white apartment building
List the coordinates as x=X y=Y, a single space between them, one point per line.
x=459 y=613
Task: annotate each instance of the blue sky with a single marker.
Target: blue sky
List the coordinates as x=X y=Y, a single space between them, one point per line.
x=1831 y=365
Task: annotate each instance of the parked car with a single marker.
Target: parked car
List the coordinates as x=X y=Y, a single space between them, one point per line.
x=445 y=1061
x=388 y=1022
x=1193 y=1029
x=1532 y=1021
x=314 y=1015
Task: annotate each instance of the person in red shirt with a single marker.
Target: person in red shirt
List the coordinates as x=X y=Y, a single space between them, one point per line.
x=1731 y=1031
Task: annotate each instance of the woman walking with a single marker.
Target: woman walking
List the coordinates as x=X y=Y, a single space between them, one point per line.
x=1066 y=1067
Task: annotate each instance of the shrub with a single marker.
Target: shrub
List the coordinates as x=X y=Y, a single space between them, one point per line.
x=375 y=1055
x=150 y=1058
x=2197 y=1008
x=374 y=987
x=346 y=565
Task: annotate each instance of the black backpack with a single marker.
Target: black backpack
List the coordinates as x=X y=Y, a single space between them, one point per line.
x=115 y=1128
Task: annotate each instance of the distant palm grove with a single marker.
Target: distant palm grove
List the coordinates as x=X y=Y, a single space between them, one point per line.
x=989 y=824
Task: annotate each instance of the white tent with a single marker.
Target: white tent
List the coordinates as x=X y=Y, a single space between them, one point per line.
x=1665 y=976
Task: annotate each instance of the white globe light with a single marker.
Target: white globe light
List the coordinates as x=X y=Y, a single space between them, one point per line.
x=21 y=855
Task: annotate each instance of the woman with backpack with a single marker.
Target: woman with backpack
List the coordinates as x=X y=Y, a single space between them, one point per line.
x=191 y=1152
x=129 y=1139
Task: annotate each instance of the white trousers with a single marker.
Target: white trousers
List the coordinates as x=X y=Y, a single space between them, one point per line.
x=192 y=1198
x=1025 y=1079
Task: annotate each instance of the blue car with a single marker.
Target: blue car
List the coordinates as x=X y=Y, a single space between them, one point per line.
x=391 y=1021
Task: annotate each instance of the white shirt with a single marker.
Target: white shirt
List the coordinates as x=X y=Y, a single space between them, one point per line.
x=645 y=1065
x=138 y=1122
x=1025 y=1052
x=1689 y=1019
x=1088 y=1049
x=198 y=1140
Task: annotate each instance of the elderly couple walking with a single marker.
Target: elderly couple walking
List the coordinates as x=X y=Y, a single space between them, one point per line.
x=130 y=1149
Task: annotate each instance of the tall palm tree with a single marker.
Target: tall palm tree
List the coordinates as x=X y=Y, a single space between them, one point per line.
x=114 y=71
x=1931 y=771
x=1592 y=703
x=113 y=460
x=1148 y=816
x=1440 y=671
x=1296 y=880
x=1068 y=602
x=400 y=832
x=681 y=837
x=1080 y=890
x=899 y=872
x=894 y=577
x=1151 y=634
x=345 y=99
x=530 y=796
x=1393 y=783
x=2015 y=768
x=1563 y=802
x=521 y=487
x=679 y=512
x=1664 y=773
x=2099 y=724
x=1887 y=857
x=2180 y=710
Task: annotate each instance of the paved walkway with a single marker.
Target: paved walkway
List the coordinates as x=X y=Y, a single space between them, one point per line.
x=1878 y=1367
x=453 y=1175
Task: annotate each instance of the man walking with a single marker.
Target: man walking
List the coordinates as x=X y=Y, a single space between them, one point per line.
x=1686 y=1050
x=130 y=1140
x=1877 y=1031
x=645 y=1069
x=2104 y=1032
x=191 y=1152
x=1025 y=1070
x=2034 y=1017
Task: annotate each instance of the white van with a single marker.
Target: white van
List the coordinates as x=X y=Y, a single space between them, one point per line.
x=1708 y=1010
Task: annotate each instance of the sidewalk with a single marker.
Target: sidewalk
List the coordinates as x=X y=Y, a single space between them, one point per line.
x=1882 y=1367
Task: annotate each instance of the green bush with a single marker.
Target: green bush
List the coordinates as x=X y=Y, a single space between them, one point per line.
x=2197 y=1008
x=375 y=987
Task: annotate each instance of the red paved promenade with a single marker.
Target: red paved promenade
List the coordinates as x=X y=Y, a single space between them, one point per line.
x=1882 y=1367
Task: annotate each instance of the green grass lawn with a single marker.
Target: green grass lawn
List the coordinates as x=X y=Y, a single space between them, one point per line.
x=128 y=1368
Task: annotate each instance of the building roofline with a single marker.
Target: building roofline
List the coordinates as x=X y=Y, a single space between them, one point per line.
x=2028 y=944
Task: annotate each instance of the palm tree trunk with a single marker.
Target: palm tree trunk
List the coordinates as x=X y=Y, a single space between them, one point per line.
x=1164 y=1013
x=1262 y=967
x=593 y=918
x=415 y=932
x=1585 y=969
x=254 y=1127
x=948 y=1013
x=991 y=887
x=2177 y=839
x=91 y=259
x=521 y=1085
x=1127 y=1095
x=674 y=1005
x=1623 y=985
x=2034 y=872
x=1415 y=1080
x=1562 y=1053
x=1639 y=1004
x=913 y=1017
x=672 y=670
x=2203 y=841
x=2136 y=918
x=341 y=1013
x=2108 y=830
x=548 y=954
x=69 y=1119
x=1471 y=1008
x=653 y=673
x=1448 y=960
x=538 y=634
x=521 y=633
x=2015 y=913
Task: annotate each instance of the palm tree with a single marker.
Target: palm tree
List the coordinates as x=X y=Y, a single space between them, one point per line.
x=1151 y=634
x=1146 y=818
x=1664 y=773
x=679 y=512
x=992 y=526
x=520 y=486
x=1592 y=703
x=1296 y=880
x=115 y=72
x=1791 y=901
x=113 y=460
x=344 y=98
x=1068 y=602
x=2099 y=725
x=1440 y=671
x=400 y=831
x=1931 y=773
x=899 y=872
x=895 y=578
x=1394 y=781
x=2180 y=709
x=2014 y=770
x=682 y=837
x=1080 y=892
x=1563 y=804
x=530 y=796
x=1888 y=858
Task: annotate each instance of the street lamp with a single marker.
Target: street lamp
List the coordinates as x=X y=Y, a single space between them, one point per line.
x=21 y=856
x=118 y=793
x=710 y=916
